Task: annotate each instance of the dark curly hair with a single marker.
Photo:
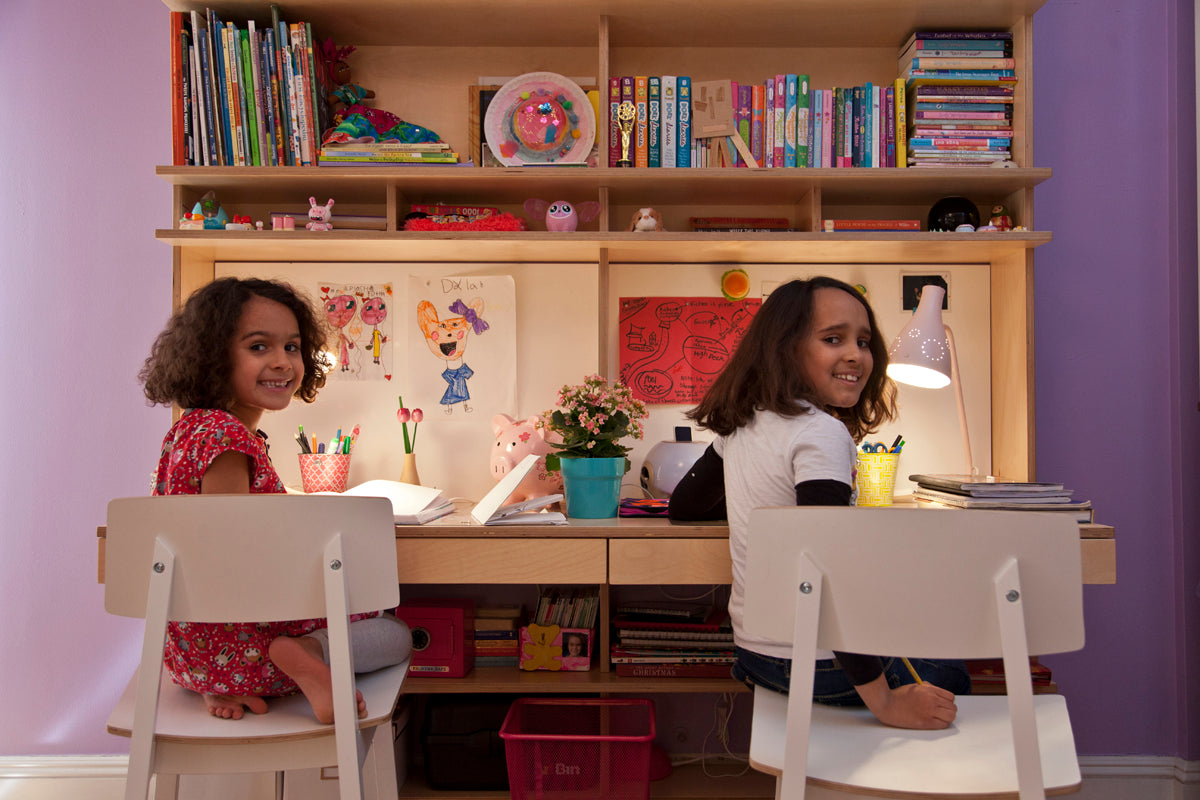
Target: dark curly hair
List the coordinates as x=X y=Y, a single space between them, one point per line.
x=190 y=362
x=764 y=372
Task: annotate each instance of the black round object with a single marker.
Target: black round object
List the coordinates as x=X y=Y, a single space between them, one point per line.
x=950 y=212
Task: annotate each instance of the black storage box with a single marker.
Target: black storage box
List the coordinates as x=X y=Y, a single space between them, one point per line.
x=461 y=741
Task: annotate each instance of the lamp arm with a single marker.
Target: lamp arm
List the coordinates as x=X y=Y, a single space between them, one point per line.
x=956 y=379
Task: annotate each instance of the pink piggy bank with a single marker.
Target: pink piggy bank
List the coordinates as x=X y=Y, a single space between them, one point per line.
x=516 y=439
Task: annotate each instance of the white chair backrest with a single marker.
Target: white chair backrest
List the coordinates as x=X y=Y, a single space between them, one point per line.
x=916 y=582
x=249 y=558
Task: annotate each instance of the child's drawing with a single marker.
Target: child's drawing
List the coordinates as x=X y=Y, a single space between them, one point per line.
x=352 y=309
x=673 y=347
x=456 y=316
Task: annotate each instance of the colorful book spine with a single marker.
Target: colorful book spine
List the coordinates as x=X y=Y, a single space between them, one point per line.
x=827 y=102
x=833 y=225
x=791 y=137
x=942 y=62
x=961 y=46
x=816 y=128
x=804 y=120
x=178 y=150
x=654 y=123
x=877 y=146
x=641 y=102
x=683 y=116
x=614 y=130
x=901 y=123
x=200 y=106
x=741 y=95
x=259 y=80
x=889 y=126
x=221 y=97
x=779 y=142
x=758 y=110
x=211 y=115
x=992 y=115
x=857 y=129
x=962 y=74
x=232 y=97
x=247 y=89
x=769 y=125
x=672 y=670
x=670 y=125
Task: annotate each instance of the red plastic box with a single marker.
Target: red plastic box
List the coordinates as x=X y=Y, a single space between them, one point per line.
x=443 y=636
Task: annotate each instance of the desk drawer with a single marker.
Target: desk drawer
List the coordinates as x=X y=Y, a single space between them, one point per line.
x=653 y=561
x=436 y=560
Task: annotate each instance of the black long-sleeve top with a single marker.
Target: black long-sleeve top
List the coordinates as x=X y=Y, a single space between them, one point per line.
x=700 y=495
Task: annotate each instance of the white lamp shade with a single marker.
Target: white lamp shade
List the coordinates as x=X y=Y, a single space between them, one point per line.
x=920 y=353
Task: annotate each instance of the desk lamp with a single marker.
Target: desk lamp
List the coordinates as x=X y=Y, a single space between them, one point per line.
x=923 y=354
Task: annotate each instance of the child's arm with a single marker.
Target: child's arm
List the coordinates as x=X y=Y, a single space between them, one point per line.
x=229 y=473
x=700 y=494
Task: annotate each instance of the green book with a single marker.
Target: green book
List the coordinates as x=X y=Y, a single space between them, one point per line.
x=803 y=123
x=247 y=83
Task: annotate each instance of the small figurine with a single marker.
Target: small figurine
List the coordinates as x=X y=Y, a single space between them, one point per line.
x=208 y=207
x=646 y=219
x=1000 y=218
x=319 y=215
x=241 y=222
x=191 y=222
x=561 y=215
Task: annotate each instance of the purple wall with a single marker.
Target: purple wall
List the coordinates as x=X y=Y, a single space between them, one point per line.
x=88 y=287
x=1117 y=352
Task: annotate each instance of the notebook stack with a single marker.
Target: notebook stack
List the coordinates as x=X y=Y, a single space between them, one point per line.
x=986 y=492
x=496 y=635
x=366 y=154
x=672 y=642
x=960 y=87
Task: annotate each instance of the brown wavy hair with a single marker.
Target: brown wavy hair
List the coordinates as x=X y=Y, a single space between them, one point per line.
x=765 y=373
x=190 y=362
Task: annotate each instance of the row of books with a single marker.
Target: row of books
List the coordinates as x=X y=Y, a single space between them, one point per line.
x=662 y=642
x=245 y=94
x=780 y=122
x=568 y=608
x=960 y=97
x=987 y=492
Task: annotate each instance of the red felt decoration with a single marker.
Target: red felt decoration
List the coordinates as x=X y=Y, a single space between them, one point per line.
x=492 y=222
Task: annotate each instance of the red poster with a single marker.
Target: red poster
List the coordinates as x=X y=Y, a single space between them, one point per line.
x=672 y=348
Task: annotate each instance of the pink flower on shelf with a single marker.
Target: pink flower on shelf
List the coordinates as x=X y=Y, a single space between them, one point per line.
x=403 y=415
x=417 y=415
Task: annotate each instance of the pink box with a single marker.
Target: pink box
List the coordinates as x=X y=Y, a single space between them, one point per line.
x=443 y=636
x=553 y=648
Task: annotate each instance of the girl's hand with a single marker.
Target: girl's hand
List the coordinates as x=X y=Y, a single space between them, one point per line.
x=916 y=706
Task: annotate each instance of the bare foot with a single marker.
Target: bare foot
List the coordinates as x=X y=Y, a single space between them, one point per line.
x=230 y=706
x=300 y=659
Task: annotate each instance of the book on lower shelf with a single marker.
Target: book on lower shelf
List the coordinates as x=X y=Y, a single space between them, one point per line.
x=675 y=670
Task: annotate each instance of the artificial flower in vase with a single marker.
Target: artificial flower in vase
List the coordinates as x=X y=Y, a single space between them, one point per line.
x=408 y=473
x=591 y=420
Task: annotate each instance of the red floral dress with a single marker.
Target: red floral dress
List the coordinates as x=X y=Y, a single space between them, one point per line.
x=222 y=658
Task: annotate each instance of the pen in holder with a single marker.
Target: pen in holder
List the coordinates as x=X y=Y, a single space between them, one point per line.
x=876 y=478
x=324 y=472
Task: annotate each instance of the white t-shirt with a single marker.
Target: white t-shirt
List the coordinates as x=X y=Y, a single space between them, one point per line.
x=764 y=461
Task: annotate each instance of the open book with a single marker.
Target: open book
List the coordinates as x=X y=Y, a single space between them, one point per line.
x=411 y=504
x=490 y=511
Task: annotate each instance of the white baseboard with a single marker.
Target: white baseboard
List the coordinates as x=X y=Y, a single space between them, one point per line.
x=103 y=777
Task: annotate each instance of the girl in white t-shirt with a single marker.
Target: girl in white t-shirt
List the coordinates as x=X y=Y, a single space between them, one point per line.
x=807 y=381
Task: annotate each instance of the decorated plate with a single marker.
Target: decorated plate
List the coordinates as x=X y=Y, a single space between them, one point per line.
x=540 y=118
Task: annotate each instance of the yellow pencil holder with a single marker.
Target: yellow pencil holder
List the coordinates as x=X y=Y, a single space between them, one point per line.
x=876 y=478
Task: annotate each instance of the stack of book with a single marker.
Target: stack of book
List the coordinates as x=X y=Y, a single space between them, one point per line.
x=960 y=97
x=496 y=629
x=986 y=492
x=387 y=154
x=246 y=94
x=672 y=642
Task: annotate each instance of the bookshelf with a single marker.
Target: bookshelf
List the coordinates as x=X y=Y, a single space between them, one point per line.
x=420 y=62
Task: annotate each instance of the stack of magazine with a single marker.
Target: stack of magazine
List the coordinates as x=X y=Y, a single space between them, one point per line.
x=672 y=642
x=987 y=492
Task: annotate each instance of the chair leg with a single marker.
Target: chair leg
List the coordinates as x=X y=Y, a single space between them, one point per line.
x=279 y=785
x=379 y=768
x=166 y=786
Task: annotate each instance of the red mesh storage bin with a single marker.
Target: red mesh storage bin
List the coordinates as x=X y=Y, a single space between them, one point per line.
x=574 y=748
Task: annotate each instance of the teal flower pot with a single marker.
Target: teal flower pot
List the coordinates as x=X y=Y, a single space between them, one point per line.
x=592 y=486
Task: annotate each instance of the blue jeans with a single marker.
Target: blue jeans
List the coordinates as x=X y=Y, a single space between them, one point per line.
x=832 y=687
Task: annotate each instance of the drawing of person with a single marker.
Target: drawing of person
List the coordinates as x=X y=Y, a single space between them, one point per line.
x=374 y=311
x=447 y=339
x=339 y=311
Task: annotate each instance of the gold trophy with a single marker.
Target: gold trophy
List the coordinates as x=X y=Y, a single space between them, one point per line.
x=626 y=114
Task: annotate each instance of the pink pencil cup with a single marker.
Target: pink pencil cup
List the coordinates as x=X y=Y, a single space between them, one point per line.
x=324 y=472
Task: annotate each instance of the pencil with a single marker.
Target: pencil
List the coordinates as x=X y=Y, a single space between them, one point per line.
x=911 y=671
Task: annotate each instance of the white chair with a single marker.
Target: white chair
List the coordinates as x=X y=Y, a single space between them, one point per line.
x=913 y=582
x=248 y=558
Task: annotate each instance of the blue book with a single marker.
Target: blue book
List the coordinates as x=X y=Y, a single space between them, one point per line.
x=654 y=123
x=210 y=119
x=215 y=26
x=816 y=132
x=683 y=117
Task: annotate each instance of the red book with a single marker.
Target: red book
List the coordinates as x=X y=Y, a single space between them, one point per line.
x=758 y=113
x=178 y=147
x=672 y=670
x=830 y=225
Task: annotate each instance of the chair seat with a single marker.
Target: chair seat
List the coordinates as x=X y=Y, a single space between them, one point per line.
x=850 y=749
x=182 y=716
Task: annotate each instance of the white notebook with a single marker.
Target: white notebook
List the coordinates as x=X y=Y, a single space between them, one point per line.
x=411 y=504
x=489 y=510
